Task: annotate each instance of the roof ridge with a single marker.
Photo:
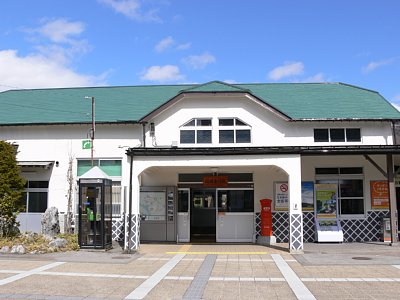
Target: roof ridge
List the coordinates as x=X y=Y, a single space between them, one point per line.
x=216 y=82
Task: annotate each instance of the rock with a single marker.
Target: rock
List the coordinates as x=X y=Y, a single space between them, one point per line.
x=58 y=243
x=5 y=249
x=50 y=223
x=18 y=249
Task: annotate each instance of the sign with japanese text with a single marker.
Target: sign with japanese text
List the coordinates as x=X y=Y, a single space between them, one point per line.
x=326 y=201
x=379 y=194
x=282 y=195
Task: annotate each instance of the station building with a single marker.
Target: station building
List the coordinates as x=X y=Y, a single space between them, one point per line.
x=191 y=162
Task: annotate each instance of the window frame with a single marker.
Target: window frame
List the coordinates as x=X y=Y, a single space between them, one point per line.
x=345 y=132
x=196 y=128
x=235 y=128
x=336 y=178
x=30 y=190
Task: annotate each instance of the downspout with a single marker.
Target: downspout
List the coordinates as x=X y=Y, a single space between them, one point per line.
x=130 y=205
x=144 y=134
x=394 y=132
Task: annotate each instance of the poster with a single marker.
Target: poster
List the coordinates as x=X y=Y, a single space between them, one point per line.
x=307 y=195
x=379 y=195
x=326 y=200
x=282 y=195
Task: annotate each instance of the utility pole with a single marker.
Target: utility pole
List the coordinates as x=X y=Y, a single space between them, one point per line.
x=92 y=130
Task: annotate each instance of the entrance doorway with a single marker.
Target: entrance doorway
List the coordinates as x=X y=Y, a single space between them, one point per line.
x=203 y=215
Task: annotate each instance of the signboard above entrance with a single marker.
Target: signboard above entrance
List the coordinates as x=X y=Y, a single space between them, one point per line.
x=215 y=181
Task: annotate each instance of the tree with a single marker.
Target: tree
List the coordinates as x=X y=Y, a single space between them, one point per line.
x=71 y=182
x=11 y=190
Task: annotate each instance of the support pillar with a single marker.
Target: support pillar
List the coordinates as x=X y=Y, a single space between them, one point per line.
x=392 y=199
x=296 y=245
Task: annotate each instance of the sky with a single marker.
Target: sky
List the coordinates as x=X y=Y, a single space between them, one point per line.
x=72 y=43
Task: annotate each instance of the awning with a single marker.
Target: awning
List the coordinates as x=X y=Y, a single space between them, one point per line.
x=35 y=164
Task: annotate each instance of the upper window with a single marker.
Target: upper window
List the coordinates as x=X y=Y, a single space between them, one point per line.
x=337 y=135
x=233 y=130
x=196 y=131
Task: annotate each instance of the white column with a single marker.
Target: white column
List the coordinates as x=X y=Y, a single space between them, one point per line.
x=295 y=209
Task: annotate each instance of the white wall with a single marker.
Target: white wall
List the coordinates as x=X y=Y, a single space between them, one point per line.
x=57 y=142
x=268 y=129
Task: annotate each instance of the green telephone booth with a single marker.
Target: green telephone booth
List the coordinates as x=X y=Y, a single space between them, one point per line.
x=95 y=210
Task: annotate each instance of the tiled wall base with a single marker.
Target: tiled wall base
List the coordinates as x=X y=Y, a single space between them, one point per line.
x=355 y=230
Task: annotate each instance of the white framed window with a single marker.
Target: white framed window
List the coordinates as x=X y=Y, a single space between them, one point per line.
x=196 y=131
x=35 y=197
x=337 y=135
x=350 y=182
x=233 y=131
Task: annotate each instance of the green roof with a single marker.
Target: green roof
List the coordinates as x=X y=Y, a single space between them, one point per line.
x=299 y=101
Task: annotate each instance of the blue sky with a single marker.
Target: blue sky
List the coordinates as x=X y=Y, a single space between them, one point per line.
x=66 y=43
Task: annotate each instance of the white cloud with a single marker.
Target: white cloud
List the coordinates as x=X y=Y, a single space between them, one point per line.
x=397 y=106
x=319 y=77
x=230 y=81
x=373 y=65
x=60 y=30
x=199 y=61
x=164 y=44
x=38 y=71
x=165 y=73
x=132 y=10
x=287 y=70
x=396 y=98
x=184 y=46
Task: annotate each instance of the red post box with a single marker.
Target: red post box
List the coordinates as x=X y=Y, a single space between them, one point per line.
x=266 y=217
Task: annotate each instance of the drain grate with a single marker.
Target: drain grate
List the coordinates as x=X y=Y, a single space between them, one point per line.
x=361 y=258
x=120 y=257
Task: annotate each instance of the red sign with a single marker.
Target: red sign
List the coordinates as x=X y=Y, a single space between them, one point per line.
x=215 y=181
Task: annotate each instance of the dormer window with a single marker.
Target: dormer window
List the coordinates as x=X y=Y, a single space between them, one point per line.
x=196 y=131
x=233 y=130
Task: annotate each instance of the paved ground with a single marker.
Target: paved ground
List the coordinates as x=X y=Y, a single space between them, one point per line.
x=324 y=271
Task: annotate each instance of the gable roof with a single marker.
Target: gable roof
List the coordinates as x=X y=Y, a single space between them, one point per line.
x=129 y=104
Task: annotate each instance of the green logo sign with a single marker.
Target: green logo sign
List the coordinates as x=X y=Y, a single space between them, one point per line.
x=86 y=144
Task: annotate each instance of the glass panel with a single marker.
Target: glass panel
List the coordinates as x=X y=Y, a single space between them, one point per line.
x=243 y=136
x=352 y=206
x=37 y=202
x=321 y=135
x=152 y=206
x=240 y=123
x=85 y=165
x=351 y=170
x=187 y=137
x=91 y=216
x=190 y=123
x=107 y=214
x=116 y=199
x=225 y=122
x=183 y=201
x=236 y=201
x=203 y=122
x=353 y=135
x=203 y=136
x=22 y=202
x=38 y=184
x=351 y=188
x=226 y=136
x=111 y=167
x=322 y=171
x=337 y=134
